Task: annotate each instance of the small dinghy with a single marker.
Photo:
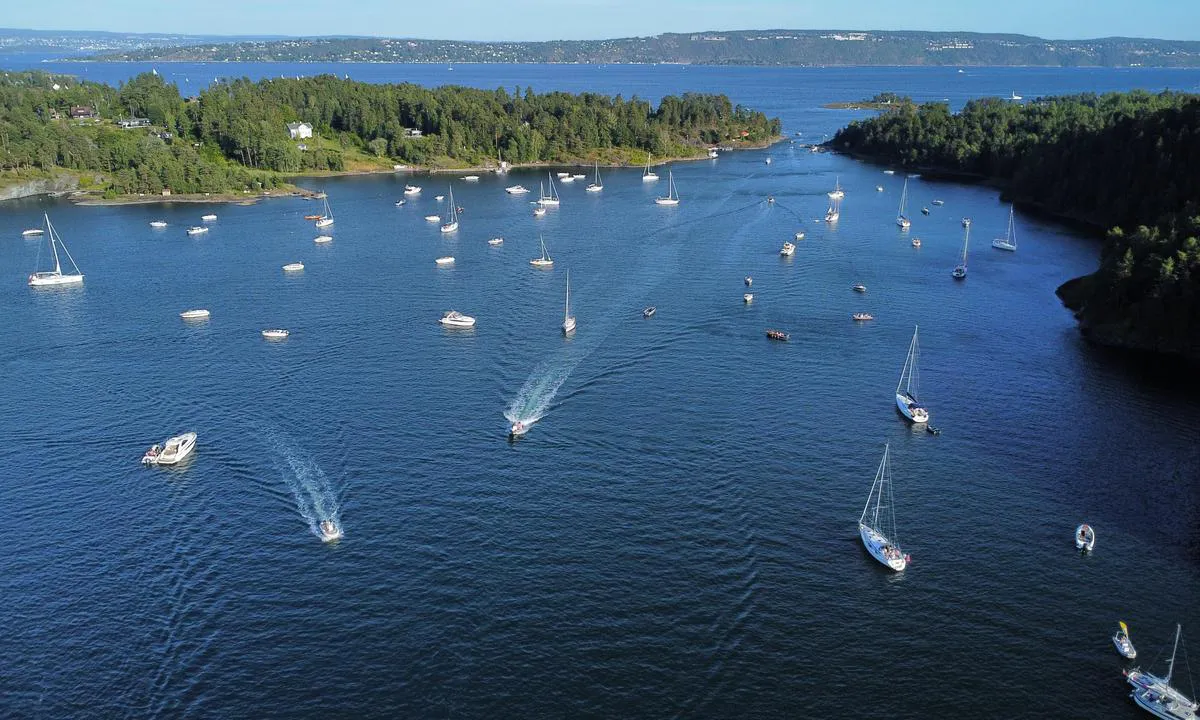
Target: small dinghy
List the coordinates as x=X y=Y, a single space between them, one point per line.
x=649 y=312
x=748 y=298
x=446 y=260
x=1123 y=643
x=749 y=281
x=1085 y=538
x=778 y=335
x=275 y=334
x=329 y=531
x=433 y=218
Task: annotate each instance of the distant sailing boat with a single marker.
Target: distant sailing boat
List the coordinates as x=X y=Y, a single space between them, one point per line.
x=906 y=389
x=544 y=261
x=326 y=218
x=877 y=525
x=835 y=210
x=56 y=276
x=596 y=185
x=568 y=325
x=902 y=219
x=453 y=224
x=672 y=197
x=648 y=176
x=552 y=198
x=960 y=270
x=1009 y=241
x=837 y=193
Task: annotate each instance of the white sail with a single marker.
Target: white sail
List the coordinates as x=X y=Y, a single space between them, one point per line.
x=452 y=225
x=902 y=219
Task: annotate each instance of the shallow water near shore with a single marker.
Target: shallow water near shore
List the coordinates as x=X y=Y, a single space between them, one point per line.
x=675 y=537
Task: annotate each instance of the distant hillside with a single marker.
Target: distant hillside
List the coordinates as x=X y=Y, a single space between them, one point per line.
x=742 y=47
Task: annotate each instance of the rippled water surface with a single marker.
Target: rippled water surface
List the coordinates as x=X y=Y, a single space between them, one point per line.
x=675 y=537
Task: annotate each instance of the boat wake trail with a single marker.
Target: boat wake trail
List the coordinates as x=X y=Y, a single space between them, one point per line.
x=314 y=493
x=534 y=397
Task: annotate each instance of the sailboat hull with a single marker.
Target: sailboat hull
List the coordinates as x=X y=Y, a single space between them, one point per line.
x=882 y=549
x=910 y=409
x=1002 y=244
x=50 y=279
x=568 y=326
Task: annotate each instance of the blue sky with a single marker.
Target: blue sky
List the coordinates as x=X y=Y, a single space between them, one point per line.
x=591 y=19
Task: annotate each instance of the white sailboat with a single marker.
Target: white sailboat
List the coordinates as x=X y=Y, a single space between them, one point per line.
x=672 y=197
x=1009 y=241
x=837 y=193
x=596 y=185
x=960 y=270
x=1157 y=696
x=906 y=389
x=834 y=213
x=902 y=219
x=46 y=278
x=648 y=176
x=568 y=325
x=326 y=218
x=544 y=261
x=552 y=198
x=877 y=525
x=451 y=226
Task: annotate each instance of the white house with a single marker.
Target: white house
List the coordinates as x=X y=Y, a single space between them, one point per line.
x=299 y=131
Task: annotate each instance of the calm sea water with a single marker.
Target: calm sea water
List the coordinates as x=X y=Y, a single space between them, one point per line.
x=674 y=538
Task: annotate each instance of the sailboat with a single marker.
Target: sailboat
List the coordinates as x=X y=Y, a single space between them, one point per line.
x=453 y=224
x=544 y=261
x=902 y=219
x=326 y=217
x=552 y=198
x=877 y=525
x=648 y=176
x=672 y=197
x=1155 y=694
x=835 y=210
x=837 y=193
x=1009 y=241
x=56 y=276
x=568 y=325
x=906 y=389
x=596 y=186
x=960 y=270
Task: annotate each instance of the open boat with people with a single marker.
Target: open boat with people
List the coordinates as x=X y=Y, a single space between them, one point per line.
x=788 y=249
x=544 y=261
x=1157 y=696
x=56 y=277
x=778 y=335
x=906 y=389
x=518 y=428
x=330 y=531
x=171 y=452
x=862 y=316
x=1009 y=241
x=1085 y=538
x=649 y=311
x=1122 y=642
x=877 y=524
x=455 y=319
x=412 y=189
x=516 y=189
x=275 y=334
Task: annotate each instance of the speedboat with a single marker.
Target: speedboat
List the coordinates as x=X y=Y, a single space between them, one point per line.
x=157 y=224
x=878 y=188
x=329 y=531
x=861 y=317
x=400 y=202
x=411 y=189
x=1122 y=642
x=959 y=272
x=275 y=334
x=800 y=235
x=563 y=175
x=433 y=218
x=924 y=211
x=916 y=242
x=208 y=218
x=649 y=312
x=172 y=452
x=858 y=287
x=939 y=202
x=749 y=281
x=566 y=178
x=197 y=230
x=456 y=319
x=966 y=222
x=518 y=429
x=748 y=298
x=439 y=198
x=516 y=189
x=293 y=267
x=199 y=314
x=496 y=241
x=446 y=260
x=1085 y=538
x=787 y=250
x=32 y=232
x=322 y=239
x=778 y=335
x=471 y=178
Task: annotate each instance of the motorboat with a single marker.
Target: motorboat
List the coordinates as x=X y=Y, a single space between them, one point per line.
x=966 y=222
x=517 y=429
x=323 y=239
x=208 y=218
x=171 y=452
x=471 y=178
x=938 y=202
x=198 y=314
x=778 y=335
x=672 y=197
x=767 y=161
x=712 y=154
x=55 y=277
x=749 y=281
x=157 y=224
x=516 y=189
x=567 y=179
x=563 y=175
x=293 y=267
x=275 y=334
x=916 y=242
x=446 y=260
x=648 y=176
x=862 y=316
x=1085 y=538
x=400 y=202
x=800 y=235
x=197 y=230
x=878 y=188
x=924 y=211
x=433 y=218
x=770 y=199
x=1122 y=642
x=649 y=311
x=787 y=250
x=544 y=261
x=568 y=323
x=496 y=241
x=858 y=287
x=1009 y=241
x=456 y=319
x=578 y=176
x=32 y=232
x=439 y=198
x=747 y=298
x=906 y=389
x=329 y=531
x=411 y=189
x=877 y=524
x=889 y=172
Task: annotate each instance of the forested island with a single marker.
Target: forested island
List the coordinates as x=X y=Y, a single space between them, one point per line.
x=234 y=137
x=730 y=47
x=1122 y=162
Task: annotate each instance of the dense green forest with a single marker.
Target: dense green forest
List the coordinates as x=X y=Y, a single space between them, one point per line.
x=1126 y=162
x=234 y=135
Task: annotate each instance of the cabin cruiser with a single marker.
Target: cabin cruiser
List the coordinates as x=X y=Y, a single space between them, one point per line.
x=788 y=249
x=516 y=189
x=293 y=267
x=196 y=230
x=411 y=189
x=172 y=452
x=275 y=334
x=496 y=241
x=322 y=239
x=456 y=319
x=199 y=314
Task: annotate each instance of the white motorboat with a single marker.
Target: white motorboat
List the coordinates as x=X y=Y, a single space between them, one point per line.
x=1122 y=642
x=411 y=189
x=916 y=242
x=966 y=222
x=748 y=280
x=172 y=452
x=837 y=193
x=327 y=216
x=567 y=179
x=275 y=334
x=32 y=232
x=516 y=189
x=470 y=178
x=208 y=218
x=439 y=198
x=330 y=531
x=452 y=225
x=906 y=389
x=197 y=230
x=578 y=176
x=400 y=202
x=563 y=175
x=596 y=184
x=293 y=267
x=878 y=188
x=55 y=277
x=889 y=172
x=862 y=317
x=960 y=270
x=672 y=197
x=322 y=239
x=787 y=250
x=767 y=161
x=1085 y=538
x=157 y=224
x=648 y=176
x=858 y=287
x=902 y=219
x=938 y=202
x=748 y=298
x=433 y=218
x=877 y=525
x=496 y=241
x=455 y=319
x=552 y=198
x=544 y=261
x=649 y=311
x=539 y=211
x=1157 y=696
x=198 y=314
x=517 y=429
x=1009 y=241
x=446 y=260
x=800 y=235
x=713 y=154
x=568 y=324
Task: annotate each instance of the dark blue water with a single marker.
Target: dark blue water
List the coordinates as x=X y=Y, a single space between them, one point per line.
x=674 y=538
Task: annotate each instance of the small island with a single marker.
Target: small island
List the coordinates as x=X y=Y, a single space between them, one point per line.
x=1124 y=163
x=239 y=139
x=882 y=102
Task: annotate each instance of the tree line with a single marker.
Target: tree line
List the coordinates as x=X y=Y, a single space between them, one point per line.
x=1122 y=161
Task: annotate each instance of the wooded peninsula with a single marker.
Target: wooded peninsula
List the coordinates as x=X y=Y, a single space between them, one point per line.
x=243 y=136
x=1125 y=162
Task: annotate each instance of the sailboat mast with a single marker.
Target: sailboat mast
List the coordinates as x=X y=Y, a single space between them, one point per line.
x=567 y=306
x=54 y=246
x=966 y=239
x=1171 y=664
